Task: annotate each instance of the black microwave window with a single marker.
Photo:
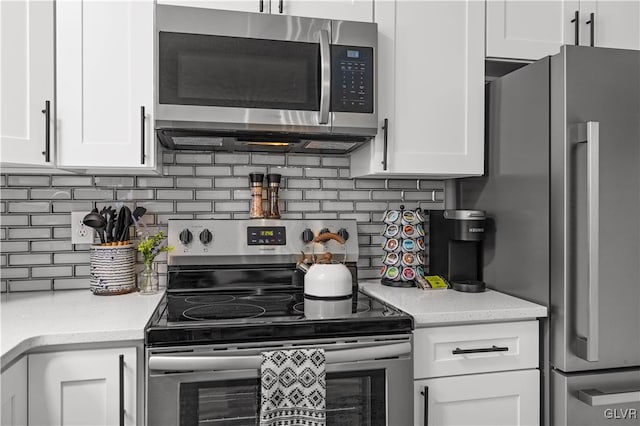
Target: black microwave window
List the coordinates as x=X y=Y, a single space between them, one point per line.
x=238 y=72
x=352 y=79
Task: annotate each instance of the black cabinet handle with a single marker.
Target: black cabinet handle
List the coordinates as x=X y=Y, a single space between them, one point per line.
x=576 y=19
x=121 y=384
x=425 y=393
x=592 y=29
x=261 y=6
x=385 y=128
x=494 y=348
x=142 y=118
x=47 y=131
x=281 y=5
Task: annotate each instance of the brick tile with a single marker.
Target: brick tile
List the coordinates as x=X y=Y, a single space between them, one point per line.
x=303 y=206
x=52 y=245
x=29 y=233
x=178 y=170
x=231 y=182
x=193 y=183
x=29 y=207
x=337 y=184
x=402 y=184
x=70 y=283
x=61 y=233
x=303 y=160
x=193 y=206
x=213 y=171
x=432 y=185
x=224 y=158
x=71 y=206
x=291 y=194
x=114 y=181
x=199 y=158
x=419 y=196
x=269 y=159
x=359 y=217
x=30 y=285
x=232 y=206
x=241 y=171
x=155 y=182
x=14 y=194
x=216 y=216
x=337 y=206
x=303 y=183
x=369 y=184
x=327 y=173
x=51 y=271
x=29 y=259
x=213 y=194
x=174 y=194
x=51 y=194
x=81 y=270
x=164 y=218
x=73 y=258
x=157 y=206
x=8 y=273
x=320 y=216
x=370 y=206
x=344 y=173
x=335 y=162
x=14 y=246
x=29 y=181
x=287 y=171
x=386 y=195
x=321 y=195
x=366 y=274
x=71 y=181
x=14 y=220
x=93 y=194
x=354 y=195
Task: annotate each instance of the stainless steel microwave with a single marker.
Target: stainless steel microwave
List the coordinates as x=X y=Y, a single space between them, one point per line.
x=258 y=82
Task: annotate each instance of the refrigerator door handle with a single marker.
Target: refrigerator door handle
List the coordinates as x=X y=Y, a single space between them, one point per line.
x=597 y=398
x=587 y=346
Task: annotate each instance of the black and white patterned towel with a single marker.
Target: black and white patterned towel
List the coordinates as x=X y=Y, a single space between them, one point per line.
x=293 y=388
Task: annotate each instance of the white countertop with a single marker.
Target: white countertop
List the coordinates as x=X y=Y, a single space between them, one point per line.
x=44 y=318
x=430 y=307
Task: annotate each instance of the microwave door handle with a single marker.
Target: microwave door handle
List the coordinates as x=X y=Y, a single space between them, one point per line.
x=325 y=77
x=179 y=363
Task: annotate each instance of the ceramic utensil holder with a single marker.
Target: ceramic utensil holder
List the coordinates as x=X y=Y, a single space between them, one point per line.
x=404 y=247
x=112 y=269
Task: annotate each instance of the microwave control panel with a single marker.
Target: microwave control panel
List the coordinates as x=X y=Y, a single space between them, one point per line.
x=352 y=79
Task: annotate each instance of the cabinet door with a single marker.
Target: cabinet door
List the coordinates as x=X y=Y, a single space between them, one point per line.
x=617 y=23
x=82 y=387
x=493 y=399
x=26 y=49
x=13 y=411
x=528 y=29
x=430 y=89
x=104 y=79
x=348 y=10
x=238 y=5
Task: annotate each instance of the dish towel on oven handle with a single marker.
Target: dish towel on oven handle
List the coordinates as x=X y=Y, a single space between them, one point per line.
x=293 y=388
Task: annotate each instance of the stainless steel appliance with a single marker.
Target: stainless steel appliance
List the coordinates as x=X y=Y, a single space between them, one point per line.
x=563 y=191
x=233 y=292
x=250 y=81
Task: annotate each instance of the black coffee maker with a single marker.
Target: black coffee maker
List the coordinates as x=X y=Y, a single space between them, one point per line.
x=455 y=247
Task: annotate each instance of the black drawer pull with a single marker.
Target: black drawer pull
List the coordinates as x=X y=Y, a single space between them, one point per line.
x=494 y=348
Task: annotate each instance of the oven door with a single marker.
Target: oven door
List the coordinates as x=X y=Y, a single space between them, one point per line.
x=242 y=71
x=369 y=382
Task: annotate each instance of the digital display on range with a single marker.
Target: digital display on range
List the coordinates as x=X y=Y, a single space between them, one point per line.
x=266 y=236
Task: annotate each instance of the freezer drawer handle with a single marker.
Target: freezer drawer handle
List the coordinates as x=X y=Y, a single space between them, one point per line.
x=589 y=133
x=597 y=398
x=494 y=348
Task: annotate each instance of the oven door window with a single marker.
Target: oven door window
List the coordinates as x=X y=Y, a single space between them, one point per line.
x=353 y=398
x=238 y=72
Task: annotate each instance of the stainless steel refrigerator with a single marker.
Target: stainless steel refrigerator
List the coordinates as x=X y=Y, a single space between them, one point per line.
x=562 y=193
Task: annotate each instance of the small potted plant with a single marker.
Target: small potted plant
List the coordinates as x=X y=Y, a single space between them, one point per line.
x=150 y=246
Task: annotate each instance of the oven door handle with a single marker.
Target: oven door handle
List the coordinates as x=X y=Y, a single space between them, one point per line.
x=179 y=363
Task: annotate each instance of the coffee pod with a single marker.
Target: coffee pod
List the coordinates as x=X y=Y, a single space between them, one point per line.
x=420 y=258
x=420 y=230
x=392 y=231
x=392 y=245
x=408 y=246
x=419 y=215
x=409 y=218
x=391 y=259
x=393 y=273
x=408 y=274
x=420 y=243
x=408 y=259
x=391 y=216
x=420 y=271
x=383 y=270
x=409 y=231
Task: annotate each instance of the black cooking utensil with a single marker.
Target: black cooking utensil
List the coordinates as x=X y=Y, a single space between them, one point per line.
x=120 y=224
x=124 y=217
x=110 y=219
x=96 y=221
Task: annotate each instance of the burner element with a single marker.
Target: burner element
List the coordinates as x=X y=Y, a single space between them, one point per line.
x=212 y=298
x=223 y=312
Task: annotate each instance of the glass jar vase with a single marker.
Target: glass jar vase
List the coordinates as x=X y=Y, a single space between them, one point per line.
x=148 y=279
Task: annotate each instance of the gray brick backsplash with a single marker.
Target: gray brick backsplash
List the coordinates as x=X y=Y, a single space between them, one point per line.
x=30 y=181
x=114 y=181
x=29 y=207
x=71 y=181
x=14 y=194
x=51 y=194
x=36 y=251
x=135 y=194
x=174 y=194
x=29 y=259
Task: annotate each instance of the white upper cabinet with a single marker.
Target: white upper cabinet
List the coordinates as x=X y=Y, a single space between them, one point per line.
x=528 y=29
x=430 y=91
x=348 y=10
x=105 y=87
x=532 y=29
x=26 y=85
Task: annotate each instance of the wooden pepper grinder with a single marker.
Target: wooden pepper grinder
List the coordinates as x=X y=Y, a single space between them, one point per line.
x=273 y=180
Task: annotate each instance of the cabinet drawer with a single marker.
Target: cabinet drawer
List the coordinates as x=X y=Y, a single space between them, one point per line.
x=466 y=349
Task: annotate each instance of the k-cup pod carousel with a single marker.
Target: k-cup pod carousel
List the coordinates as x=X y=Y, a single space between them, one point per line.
x=403 y=247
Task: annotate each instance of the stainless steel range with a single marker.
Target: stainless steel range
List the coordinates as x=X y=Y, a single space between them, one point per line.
x=233 y=292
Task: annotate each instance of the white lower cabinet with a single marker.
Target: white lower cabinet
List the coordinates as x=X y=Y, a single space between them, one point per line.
x=492 y=399
x=83 y=387
x=480 y=374
x=13 y=396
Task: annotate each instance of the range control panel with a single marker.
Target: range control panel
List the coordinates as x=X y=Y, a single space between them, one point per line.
x=352 y=79
x=201 y=241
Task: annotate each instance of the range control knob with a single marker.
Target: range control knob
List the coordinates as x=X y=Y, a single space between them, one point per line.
x=206 y=236
x=307 y=235
x=324 y=231
x=186 y=236
x=343 y=233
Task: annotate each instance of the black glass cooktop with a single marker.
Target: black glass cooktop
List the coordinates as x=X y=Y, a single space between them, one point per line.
x=241 y=316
